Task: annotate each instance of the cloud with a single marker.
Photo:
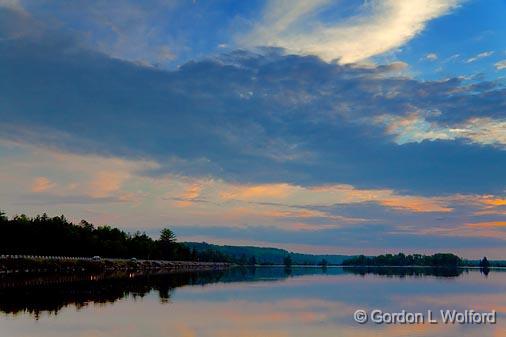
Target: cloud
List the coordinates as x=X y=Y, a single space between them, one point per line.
x=106 y=182
x=255 y=118
x=253 y=145
x=416 y=128
x=431 y=57
x=41 y=184
x=330 y=195
x=348 y=239
x=118 y=179
x=115 y=191
x=379 y=26
x=259 y=192
x=494 y=202
x=189 y=196
x=500 y=65
x=479 y=56
x=492 y=224
x=127 y=30
x=485 y=229
x=12 y=4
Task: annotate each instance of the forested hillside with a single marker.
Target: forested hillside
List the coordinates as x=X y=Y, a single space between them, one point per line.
x=265 y=255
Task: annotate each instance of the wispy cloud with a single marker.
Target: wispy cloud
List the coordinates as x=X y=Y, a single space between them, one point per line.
x=431 y=57
x=332 y=194
x=500 y=65
x=379 y=27
x=104 y=183
x=189 y=196
x=416 y=127
x=480 y=56
x=489 y=224
x=12 y=4
x=41 y=184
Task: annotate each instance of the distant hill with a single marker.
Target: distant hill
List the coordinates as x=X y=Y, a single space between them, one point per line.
x=266 y=255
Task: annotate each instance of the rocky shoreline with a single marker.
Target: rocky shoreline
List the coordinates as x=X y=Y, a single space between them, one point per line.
x=33 y=265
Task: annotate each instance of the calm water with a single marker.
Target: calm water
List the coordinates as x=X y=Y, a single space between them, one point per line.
x=246 y=303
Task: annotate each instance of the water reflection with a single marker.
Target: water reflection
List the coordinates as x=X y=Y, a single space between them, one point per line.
x=52 y=293
x=248 y=302
x=35 y=294
x=407 y=271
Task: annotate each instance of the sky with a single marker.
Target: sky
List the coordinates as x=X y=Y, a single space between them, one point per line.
x=317 y=126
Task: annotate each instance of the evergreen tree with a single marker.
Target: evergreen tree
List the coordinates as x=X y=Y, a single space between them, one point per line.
x=287 y=261
x=484 y=263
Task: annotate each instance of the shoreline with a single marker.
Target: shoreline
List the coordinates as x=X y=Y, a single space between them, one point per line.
x=42 y=265
x=17 y=264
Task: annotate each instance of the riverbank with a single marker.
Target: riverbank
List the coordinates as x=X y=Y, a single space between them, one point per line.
x=12 y=265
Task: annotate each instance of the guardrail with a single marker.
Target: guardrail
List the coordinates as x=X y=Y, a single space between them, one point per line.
x=45 y=257
x=78 y=258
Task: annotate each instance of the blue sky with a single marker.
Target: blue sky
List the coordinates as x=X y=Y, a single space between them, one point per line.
x=316 y=126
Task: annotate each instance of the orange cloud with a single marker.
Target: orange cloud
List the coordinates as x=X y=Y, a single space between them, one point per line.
x=492 y=211
x=495 y=202
x=489 y=229
x=267 y=212
x=41 y=184
x=183 y=203
x=489 y=224
x=305 y=213
x=489 y=204
x=106 y=182
x=191 y=192
x=333 y=194
x=258 y=191
x=300 y=226
x=416 y=204
x=385 y=197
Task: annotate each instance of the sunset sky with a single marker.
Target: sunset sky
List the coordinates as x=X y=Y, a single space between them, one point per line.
x=317 y=126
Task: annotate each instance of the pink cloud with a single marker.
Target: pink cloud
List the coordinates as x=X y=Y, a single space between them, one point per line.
x=106 y=182
x=41 y=184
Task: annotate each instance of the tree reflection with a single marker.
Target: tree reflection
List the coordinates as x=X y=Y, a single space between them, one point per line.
x=35 y=294
x=406 y=271
x=50 y=294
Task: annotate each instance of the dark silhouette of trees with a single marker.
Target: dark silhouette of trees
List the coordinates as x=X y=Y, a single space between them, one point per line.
x=323 y=263
x=484 y=263
x=3 y=217
x=267 y=255
x=287 y=261
x=402 y=272
x=213 y=255
x=168 y=236
x=243 y=260
x=167 y=243
x=436 y=260
x=484 y=266
x=56 y=236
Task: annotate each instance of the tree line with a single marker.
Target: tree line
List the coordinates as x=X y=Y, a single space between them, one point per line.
x=50 y=236
x=436 y=260
x=56 y=236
